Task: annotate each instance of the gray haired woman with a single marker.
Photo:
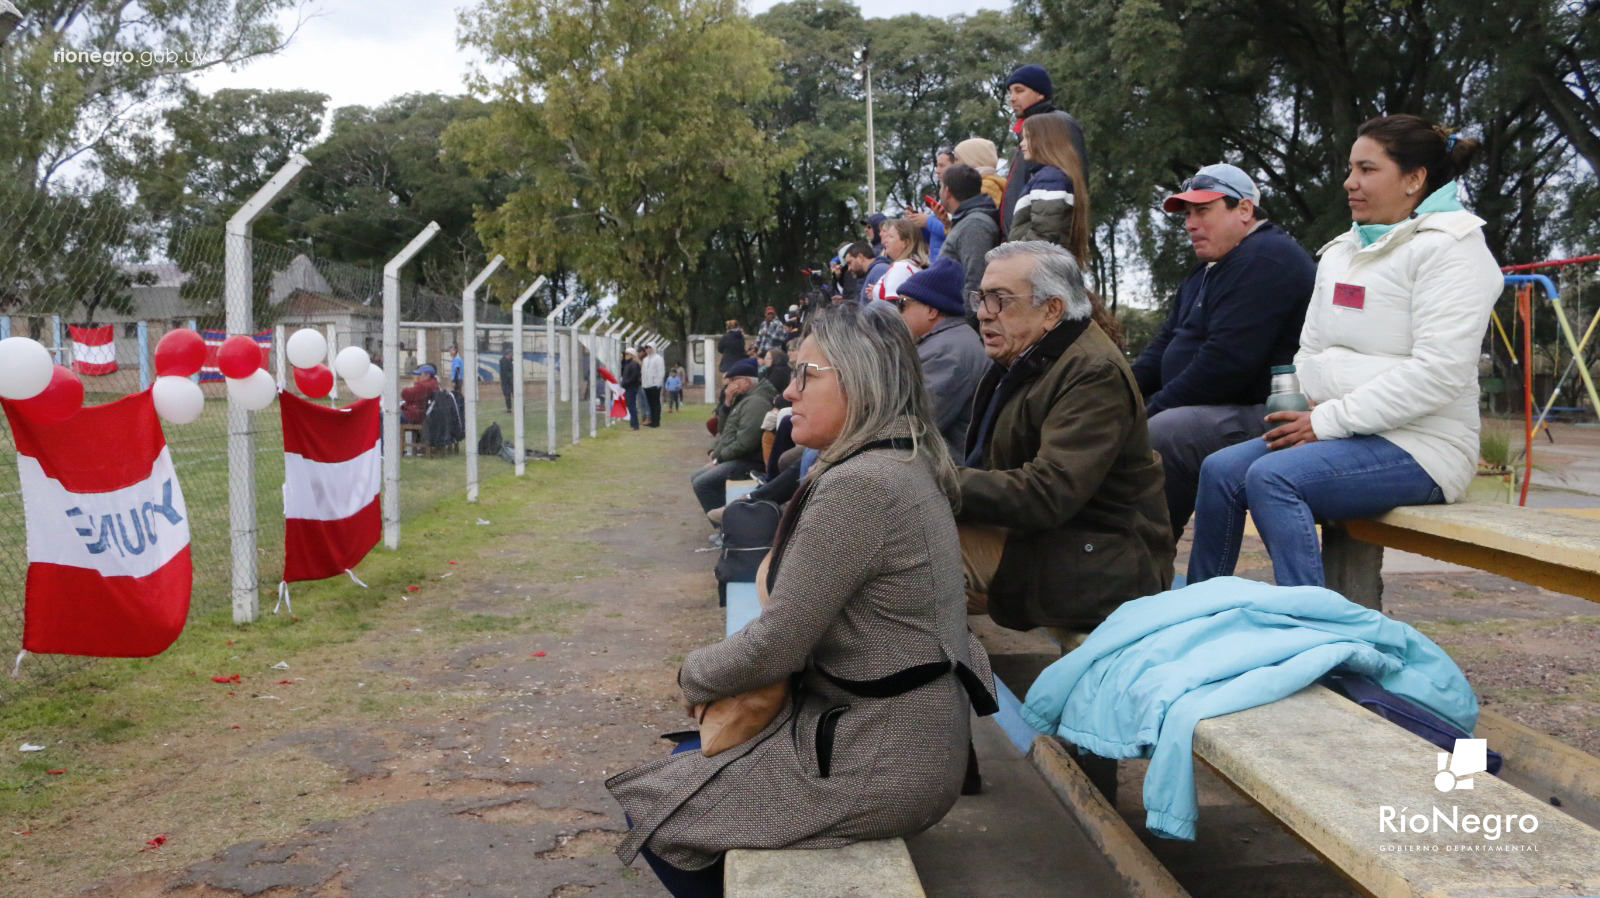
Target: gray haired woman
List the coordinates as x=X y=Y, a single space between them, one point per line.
x=866 y=618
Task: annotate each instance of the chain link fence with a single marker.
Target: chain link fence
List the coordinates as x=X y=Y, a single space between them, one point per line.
x=84 y=262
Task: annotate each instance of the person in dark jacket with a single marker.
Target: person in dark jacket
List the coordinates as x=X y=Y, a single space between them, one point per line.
x=632 y=377
x=1054 y=205
x=1206 y=373
x=1029 y=92
x=507 y=372
x=1062 y=513
x=952 y=356
x=974 y=225
x=731 y=347
x=777 y=372
x=737 y=449
x=857 y=260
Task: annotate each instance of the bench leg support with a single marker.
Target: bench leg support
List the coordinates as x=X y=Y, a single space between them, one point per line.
x=1352 y=568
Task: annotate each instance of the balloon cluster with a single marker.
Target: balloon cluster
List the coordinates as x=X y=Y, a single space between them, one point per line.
x=307 y=349
x=179 y=355
x=38 y=386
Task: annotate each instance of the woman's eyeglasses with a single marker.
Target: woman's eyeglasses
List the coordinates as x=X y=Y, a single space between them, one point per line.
x=802 y=373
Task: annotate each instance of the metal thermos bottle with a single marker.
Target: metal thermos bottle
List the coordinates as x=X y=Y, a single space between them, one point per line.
x=1286 y=395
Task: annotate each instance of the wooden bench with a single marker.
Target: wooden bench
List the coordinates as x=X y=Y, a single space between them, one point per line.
x=876 y=869
x=411 y=436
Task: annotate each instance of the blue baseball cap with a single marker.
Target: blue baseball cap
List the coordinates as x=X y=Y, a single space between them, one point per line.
x=425 y=369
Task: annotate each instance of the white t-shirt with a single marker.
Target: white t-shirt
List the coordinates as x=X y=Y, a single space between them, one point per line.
x=889 y=285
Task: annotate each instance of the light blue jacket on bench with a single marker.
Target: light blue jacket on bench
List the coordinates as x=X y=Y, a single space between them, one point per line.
x=1159 y=665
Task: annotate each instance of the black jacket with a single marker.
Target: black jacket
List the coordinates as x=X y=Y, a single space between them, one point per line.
x=1021 y=169
x=631 y=375
x=1231 y=322
x=731 y=348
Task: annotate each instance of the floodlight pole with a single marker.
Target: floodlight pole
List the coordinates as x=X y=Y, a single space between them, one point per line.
x=390 y=403
x=241 y=443
x=519 y=432
x=469 y=334
x=710 y=369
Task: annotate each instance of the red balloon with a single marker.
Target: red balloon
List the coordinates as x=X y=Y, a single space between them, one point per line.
x=180 y=353
x=316 y=382
x=239 y=356
x=59 y=401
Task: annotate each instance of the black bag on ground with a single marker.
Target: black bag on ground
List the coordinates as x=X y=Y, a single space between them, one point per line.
x=748 y=528
x=491 y=441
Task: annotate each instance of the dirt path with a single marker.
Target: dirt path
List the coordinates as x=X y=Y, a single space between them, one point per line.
x=494 y=787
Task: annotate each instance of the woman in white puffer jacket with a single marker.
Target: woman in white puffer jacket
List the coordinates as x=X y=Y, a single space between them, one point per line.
x=1388 y=357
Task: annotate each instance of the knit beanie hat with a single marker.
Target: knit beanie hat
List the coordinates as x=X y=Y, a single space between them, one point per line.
x=1033 y=76
x=938 y=285
x=745 y=367
x=978 y=152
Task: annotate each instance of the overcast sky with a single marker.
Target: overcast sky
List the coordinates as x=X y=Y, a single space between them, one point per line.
x=360 y=52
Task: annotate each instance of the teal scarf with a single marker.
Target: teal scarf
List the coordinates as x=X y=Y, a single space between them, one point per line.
x=1441 y=200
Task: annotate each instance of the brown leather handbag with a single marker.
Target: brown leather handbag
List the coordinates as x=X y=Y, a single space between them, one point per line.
x=736 y=719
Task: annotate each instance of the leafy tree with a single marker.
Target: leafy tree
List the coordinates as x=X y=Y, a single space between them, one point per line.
x=630 y=129
x=380 y=177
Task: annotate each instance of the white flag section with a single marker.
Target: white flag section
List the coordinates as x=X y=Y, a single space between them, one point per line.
x=129 y=532
x=330 y=491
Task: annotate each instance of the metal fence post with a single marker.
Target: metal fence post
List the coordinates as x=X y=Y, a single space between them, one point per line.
x=550 y=357
x=333 y=350
x=711 y=369
x=237 y=265
x=519 y=432
x=142 y=329
x=577 y=380
x=469 y=336
x=280 y=334
x=391 y=383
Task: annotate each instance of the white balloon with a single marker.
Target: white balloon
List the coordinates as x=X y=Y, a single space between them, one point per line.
x=178 y=399
x=306 y=348
x=255 y=392
x=368 y=385
x=25 y=368
x=352 y=363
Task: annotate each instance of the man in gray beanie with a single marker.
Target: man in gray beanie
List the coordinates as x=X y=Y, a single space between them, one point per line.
x=1030 y=92
x=952 y=356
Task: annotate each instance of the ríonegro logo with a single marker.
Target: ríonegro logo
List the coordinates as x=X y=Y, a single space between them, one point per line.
x=1456 y=770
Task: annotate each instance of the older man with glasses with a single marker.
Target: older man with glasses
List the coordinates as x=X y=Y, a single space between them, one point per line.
x=1062 y=515
x=1206 y=374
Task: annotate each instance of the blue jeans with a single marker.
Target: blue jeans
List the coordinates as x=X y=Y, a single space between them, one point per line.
x=711 y=484
x=1288 y=490
x=632 y=397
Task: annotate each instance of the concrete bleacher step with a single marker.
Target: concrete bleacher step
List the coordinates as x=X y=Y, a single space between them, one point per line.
x=877 y=869
x=742 y=608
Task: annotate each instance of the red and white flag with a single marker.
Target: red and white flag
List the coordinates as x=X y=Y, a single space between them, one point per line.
x=332 y=471
x=109 y=572
x=94 y=349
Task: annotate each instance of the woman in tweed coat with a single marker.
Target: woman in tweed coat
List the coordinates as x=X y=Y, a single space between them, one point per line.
x=867 y=615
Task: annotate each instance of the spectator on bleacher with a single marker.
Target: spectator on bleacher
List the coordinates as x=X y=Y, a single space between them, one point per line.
x=731 y=347
x=981 y=155
x=777 y=369
x=1388 y=358
x=1054 y=204
x=933 y=226
x=872 y=231
x=414 y=399
x=1029 y=93
x=652 y=374
x=864 y=606
x=632 y=374
x=1063 y=517
x=907 y=253
x=862 y=263
x=737 y=450
x=953 y=361
x=1206 y=373
x=974 y=224
x=770 y=333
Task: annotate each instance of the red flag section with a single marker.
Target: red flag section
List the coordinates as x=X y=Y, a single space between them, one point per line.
x=94 y=349
x=109 y=572
x=332 y=475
